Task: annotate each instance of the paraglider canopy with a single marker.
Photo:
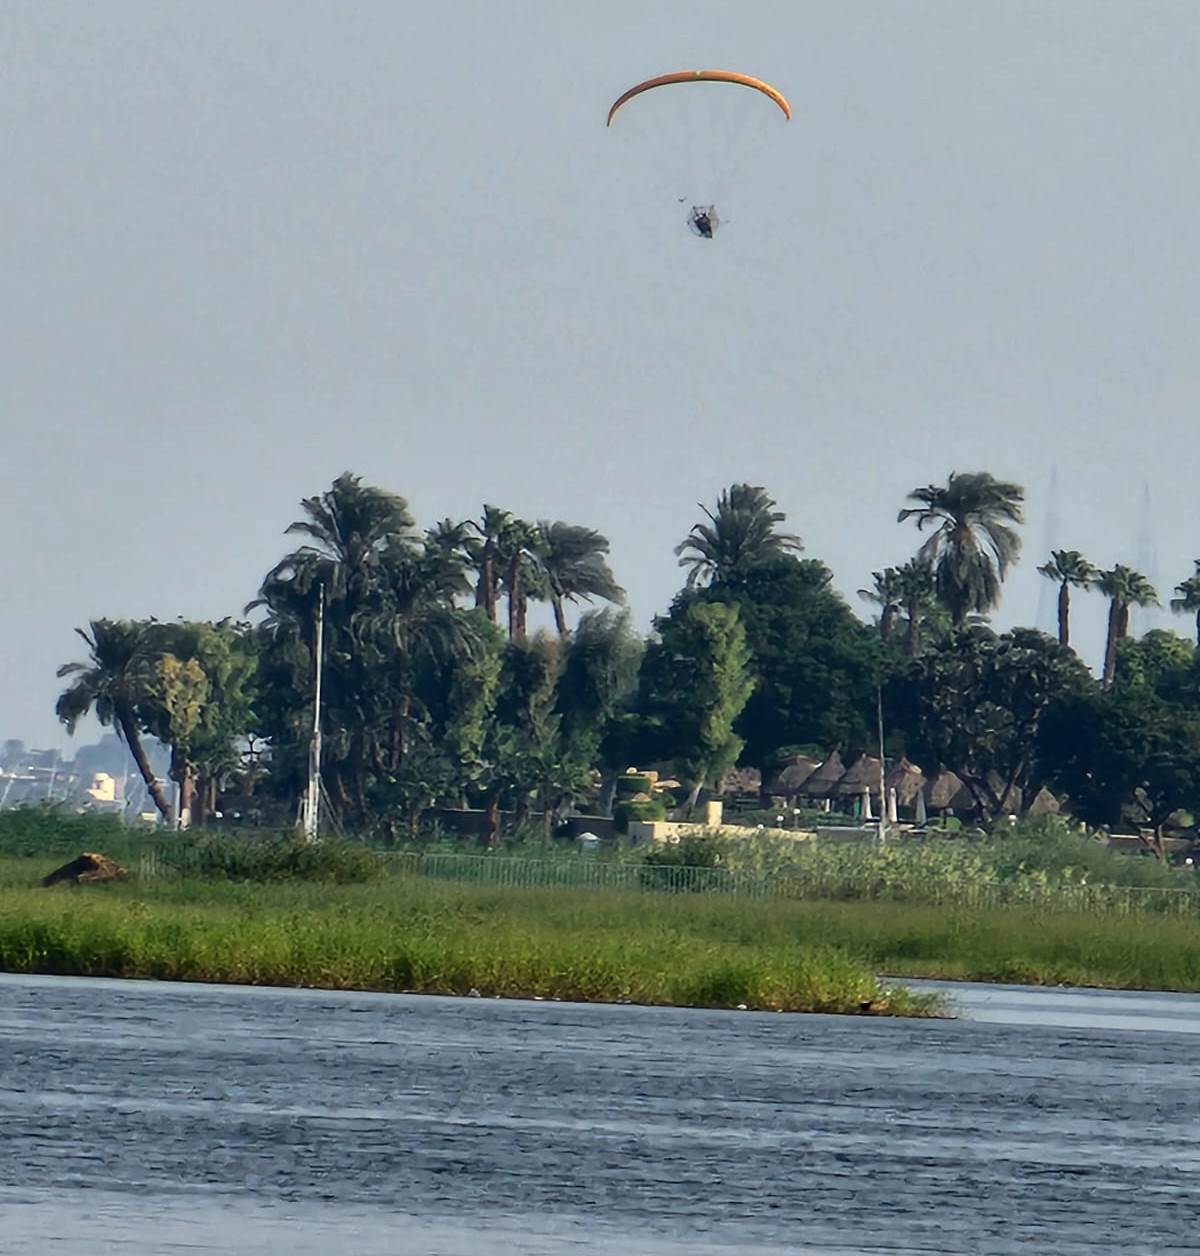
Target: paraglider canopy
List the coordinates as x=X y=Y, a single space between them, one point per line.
x=703 y=76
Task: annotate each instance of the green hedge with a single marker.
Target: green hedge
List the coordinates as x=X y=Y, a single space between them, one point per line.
x=651 y=809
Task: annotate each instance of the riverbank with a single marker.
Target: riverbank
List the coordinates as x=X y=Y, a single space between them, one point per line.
x=425 y=936
x=408 y=935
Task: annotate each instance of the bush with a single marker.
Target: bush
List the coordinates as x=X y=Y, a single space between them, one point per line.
x=51 y=830
x=634 y=783
x=633 y=809
x=692 y=863
x=281 y=858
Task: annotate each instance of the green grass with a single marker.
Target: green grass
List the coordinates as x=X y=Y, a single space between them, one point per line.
x=414 y=935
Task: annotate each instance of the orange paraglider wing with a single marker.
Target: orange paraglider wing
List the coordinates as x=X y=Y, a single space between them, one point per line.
x=703 y=76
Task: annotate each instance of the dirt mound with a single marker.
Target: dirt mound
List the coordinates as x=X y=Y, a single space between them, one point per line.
x=88 y=869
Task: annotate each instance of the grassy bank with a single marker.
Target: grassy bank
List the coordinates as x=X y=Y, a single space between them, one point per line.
x=414 y=935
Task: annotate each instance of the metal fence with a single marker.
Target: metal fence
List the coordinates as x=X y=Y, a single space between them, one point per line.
x=582 y=873
x=160 y=859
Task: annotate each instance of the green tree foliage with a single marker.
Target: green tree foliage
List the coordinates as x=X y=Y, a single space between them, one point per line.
x=739 y=534
x=389 y=617
x=201 y=703
x=1188 y=600
x=974 y=702
x=974 y=540
x=696 y=679
x=1068 y=569
x=815 y=666
x=574 y=562
x=1124 y=756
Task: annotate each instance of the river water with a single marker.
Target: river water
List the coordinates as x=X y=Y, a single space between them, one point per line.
x=146 y=1118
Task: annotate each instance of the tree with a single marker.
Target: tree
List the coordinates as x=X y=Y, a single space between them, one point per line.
x=576 y=569
x=597 y=692
x=1124 y=755
x=696 y=679
x=974 y=703
x=483 y=551
x=919 y=598
x=1068 y=568
x=114 y=682
x=201 y=703
x=1124 y=588
x=888 y=595
x=522 y=575
x=389 y=598
x=739 y=535
x=973 y=543
x=814 y=664
x=1188 y=601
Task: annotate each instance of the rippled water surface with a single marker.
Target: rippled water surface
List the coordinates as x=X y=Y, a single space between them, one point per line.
x=144 y=1118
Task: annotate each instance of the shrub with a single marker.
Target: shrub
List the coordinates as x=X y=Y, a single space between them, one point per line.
x=279 y=858
x=638 y=809
x=52 y=830
x=634 y=783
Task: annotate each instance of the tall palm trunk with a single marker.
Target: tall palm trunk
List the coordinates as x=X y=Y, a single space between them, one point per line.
x=485 y=589
x=129 y=734
x=560 y=617
x=1110 y=642
x=1198 y=630
x=1064 y=613
x=912 y=637
x=887 y=617
x=516 y=601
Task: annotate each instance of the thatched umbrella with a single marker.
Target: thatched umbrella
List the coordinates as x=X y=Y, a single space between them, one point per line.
x=1044 y=804
x=789 y=780
x=1012 y=800
x=823 y=780
x=861 y=777
x=943 y=791
x=907 y=780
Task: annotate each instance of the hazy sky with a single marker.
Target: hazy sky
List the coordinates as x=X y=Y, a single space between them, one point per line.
x=248 y=245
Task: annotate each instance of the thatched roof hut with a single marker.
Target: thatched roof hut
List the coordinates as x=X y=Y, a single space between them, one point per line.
x=907 y=780
x=945 y=791
x=789 y=780
x=821 y=783
x=1044 y=804
x=861 y=777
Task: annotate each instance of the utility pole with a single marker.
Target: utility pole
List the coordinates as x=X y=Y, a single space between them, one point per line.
x=881 y=833
x=312 y=798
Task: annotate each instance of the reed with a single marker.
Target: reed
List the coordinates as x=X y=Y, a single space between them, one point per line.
x=408 y=935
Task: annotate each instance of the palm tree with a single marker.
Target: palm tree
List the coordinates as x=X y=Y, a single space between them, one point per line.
x=1067 y=568
x=573 y=560
x=915 y=586
x=1124 y=588
x=483 y=549
x=521 y=575
x=357 y=536
x=350 y=527
x=116 y=678
x=1189 y=599
x=739 y=534
x=449 y=546
x=973 y=543
x=888 y=595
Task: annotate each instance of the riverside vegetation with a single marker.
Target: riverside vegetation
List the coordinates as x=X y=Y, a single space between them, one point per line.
x=432 y=697
x=339 y=915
